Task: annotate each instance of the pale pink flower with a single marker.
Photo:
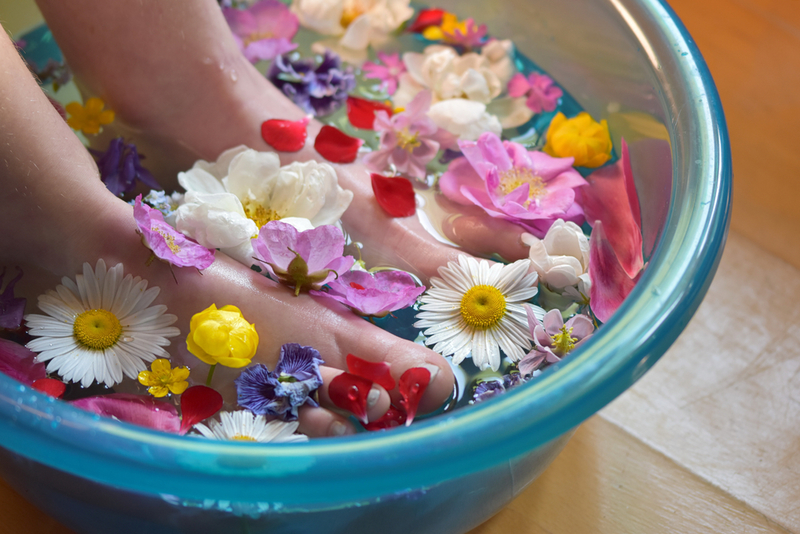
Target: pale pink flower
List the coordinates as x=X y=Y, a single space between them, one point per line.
x=542 y=94
x=264 y=30
x=553 y=339
x=387 y=71
x=373 y=294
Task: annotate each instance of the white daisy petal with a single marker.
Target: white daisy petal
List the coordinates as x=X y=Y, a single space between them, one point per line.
x=246 y=426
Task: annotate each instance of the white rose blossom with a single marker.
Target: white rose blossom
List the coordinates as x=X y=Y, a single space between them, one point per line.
x=227 y=201
x=562 y=257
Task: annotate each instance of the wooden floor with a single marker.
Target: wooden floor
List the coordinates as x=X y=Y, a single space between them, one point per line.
x=708 y=441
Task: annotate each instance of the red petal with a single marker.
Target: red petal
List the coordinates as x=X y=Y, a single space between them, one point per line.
x=392 y=418
x=378 y=372
x=361 y=112
x=394 y=195
x=336 y=146
x=285 y=136
x=198 y=403
x=610 y=283
x=141 y=410
x=356 y=286
x=54 y=388
x=427 y=17
x=349 y=392
x=413 y=384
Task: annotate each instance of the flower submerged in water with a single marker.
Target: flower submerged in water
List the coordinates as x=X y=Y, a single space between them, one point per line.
x=319 y=87
x=244 y=426
x=541 y=95
x=476 y=308
x=100 y=326
x=531 y=189
x=553 y=339
x=263 y=30
x=283 y=391
x=90 y=118
x=163 y=379
x=388 y=71
x=373 y=294
x=580 y=137
x=120 y=167
x=222 y=336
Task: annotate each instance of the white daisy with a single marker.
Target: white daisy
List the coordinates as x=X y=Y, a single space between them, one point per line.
x=246 y=426
x=476 y=308
x=100 y=326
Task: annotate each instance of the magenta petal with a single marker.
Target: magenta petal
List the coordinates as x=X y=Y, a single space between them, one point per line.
x=141 y=410
x=267 y=49
x=610 y=283
x=273 y=17
x=275 y=243
x=518 y=85
x=19 y=363
x=459 y=174
x=320 y=246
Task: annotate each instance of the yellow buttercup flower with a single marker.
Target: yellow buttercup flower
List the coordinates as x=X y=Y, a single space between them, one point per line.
x=89 y=118
x=163 y=378
x=580 y=137
x=449 y=25
x=222 y=336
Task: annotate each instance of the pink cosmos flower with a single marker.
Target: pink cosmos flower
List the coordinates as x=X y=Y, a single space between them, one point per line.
x=531 y=189
x=373 y=295
x=264 y=30
x=409 y=140
x=553 y=339
x=542 y=94
x=307 y=259
x=168 y=244
x=389 y=72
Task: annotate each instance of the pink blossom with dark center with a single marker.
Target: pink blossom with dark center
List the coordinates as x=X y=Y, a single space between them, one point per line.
x=264 y=30
x=388 y=71
x=542 y=94
x=373 y=294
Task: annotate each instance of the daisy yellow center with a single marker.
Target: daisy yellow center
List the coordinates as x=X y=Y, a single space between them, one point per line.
x=97 y=329
x=259 y=214
x=563 y=342
x=517 y=176
x=408 y=141
x=170 y=241
x=482 y=307
x=240 y=437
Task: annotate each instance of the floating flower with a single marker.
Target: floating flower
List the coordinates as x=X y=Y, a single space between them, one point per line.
x=464 y=33
x=388 y=71
x=562 y=257
x=373 y=294
x=166 y=243
x=541 y=95
x=580 y=137
x=336 y=146
x=263 y=30
x=56 y=72
x=163 y=379
x=166 y=204
x=141 y=410
x=531 y=189
x=90 y=118
x=285 y=136
x=553 y=338
x=281 y=392
x=222 y=336
x=120 y=167
x=100 y=326
x=394 y=194
x=11 y=308
x=244 y=426
x=318 y=86
x=20 y=363
x=228 y=201
x=409 y=140
x=488 y=389
x=476 y=308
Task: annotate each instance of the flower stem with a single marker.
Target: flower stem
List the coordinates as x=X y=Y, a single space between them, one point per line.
x=210 y=374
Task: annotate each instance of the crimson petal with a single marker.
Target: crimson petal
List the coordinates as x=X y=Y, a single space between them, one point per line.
x=394 y=195
x=392 y=418
x=426 y=18
x=349 y=392
x=198 y=403
x=51 y=386
x=285 y=136
x=361 y=112
x=141 y=410
x=378 y=372
x=413 y=384
x=20 y=363
x=336 y=146
x=610 y=283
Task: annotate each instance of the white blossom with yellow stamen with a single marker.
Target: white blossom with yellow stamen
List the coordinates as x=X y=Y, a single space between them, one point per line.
x=246 y=426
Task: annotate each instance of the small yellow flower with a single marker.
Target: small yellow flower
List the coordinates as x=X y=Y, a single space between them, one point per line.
x=449 y=25
x=164 y=378
x=222 y=336
x=580 y=137
x=89 y=118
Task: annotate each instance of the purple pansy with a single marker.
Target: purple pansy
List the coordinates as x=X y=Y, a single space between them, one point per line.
x=488 y=390
x=264 y=30
x=531 y=189
x=374 y=295
x=319 y=88
x=120 y=167
x=542 y=94
x=282 y=392
x=553 y=339
x=168 y=244
x=388 y=71
x=11 y=307
x=305 y=260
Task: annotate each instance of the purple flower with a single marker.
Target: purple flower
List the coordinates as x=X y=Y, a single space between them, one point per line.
x=388 y=73
x=375 y=294
x=409 y=140
x=487 y=390
x=319 y=88
x=168 y=244
x=553 y=339
x=120 y=167
x=531 y=189
x=542 y=94
x=281 y=392
x=11 y=307
x=264 y=30
x=307 y=259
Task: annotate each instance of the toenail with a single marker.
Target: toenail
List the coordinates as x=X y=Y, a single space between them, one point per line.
x=372 y=398
x=339 y=429
x=434 y=369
